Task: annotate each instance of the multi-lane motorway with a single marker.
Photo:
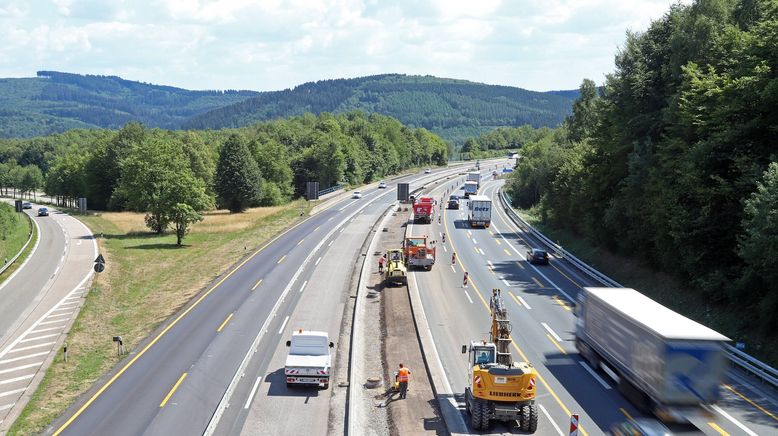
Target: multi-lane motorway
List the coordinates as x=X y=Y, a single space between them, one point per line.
x=540 y=301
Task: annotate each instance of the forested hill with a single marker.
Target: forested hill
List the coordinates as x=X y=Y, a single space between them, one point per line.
x=454 y=109
x=54 y=102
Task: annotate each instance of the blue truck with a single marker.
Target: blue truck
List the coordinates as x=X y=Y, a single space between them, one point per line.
x=663 y=362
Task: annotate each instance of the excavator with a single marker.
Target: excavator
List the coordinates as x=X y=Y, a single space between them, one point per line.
x=499 y=389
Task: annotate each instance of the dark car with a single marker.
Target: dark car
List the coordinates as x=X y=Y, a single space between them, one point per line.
x=537 y=256
x=640 y=427
x=42 y=211
x=453 y=203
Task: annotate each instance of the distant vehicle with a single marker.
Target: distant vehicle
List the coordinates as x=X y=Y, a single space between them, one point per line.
x=381 y=185
x=42 y=211
x=671 y=365
x=453 y=203
x=428 y=171
x=309 y=360
x=356 y=194
x=536 y=255
x=26 y=205
x=480 y=211
x=640 y=427
x=471 y=188
x=507 y=170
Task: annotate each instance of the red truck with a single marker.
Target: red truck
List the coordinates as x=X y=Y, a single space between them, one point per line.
x=423 y=210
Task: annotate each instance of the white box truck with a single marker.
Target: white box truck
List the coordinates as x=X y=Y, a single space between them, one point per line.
x=471 y=188
x=662 y=361
x=309 y=361
x=474 y=176
x=479 y=211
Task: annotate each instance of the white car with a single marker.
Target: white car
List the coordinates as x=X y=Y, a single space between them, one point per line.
x=428 y=171
x=356 y=194
x=381 y=185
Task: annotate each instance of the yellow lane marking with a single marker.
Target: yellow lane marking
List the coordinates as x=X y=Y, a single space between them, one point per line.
x=301 y=241
x=624 y=411
x=520 y=265
x=566 y=276
x=715 y=426
x=281 y=259
x=561 y=303
x=225 y=322
x=475 y=249
x=767 y=412
x=491 y=270
x=523 y=356
x=170 y=394
x=516 y=299
x=256 y=284
x=535 y=279
x=506 y=251
x=556 y=343
x=165 y=330
x=498 y=242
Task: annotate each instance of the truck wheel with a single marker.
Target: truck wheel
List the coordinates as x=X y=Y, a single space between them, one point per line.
x=533 y=418
x=484 y=416
x=475 y=416
x=525 y=417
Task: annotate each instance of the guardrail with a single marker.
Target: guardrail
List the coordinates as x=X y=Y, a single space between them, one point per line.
x=746 y=362
x=331 y=189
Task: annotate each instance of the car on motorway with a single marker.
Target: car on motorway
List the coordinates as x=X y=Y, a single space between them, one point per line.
x=356 y=194
x=453 y=203
x=26 y=205
x=381 y=185
x=43 y=211
x=428 y=171
x=537 y=256
x=640 y=427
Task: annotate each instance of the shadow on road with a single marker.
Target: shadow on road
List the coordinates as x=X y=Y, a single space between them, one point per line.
x=278 y=387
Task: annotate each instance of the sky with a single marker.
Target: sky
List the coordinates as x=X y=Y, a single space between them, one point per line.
x=276 y=44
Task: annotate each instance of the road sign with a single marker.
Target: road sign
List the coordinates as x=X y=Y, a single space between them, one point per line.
x=573 y=425
x=403 y=191
x=99 y=267
x=312 y=190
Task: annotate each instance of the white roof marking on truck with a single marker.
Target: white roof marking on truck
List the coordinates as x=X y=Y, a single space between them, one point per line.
x=480 y=198
x=661 y=320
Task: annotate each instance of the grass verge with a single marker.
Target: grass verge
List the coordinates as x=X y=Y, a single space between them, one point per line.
x=661 y=287
x=147 y=279
x=17 y=235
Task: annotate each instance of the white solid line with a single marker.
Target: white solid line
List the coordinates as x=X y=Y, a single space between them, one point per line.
x=342 y=229
x=7 y=406
x=469 y=233
x=615 y=377
x=545 y=412
x=281 y=330
x=38 y=338
x=56 y=271
x=52 y=322
x=253 y=392
x=15 y=391
x=523 y=302
x=490 y=263
x=452 y=268
x=506 y=283
x=468 y=297
x=3 y=362
x=58 y=315
x=16 y=350
x=62 y=310
x=68 y=305
x=556 y=336
x=594 y=374
x=14 y=380
x=482 y=252
x=317 y=261
x=303 y=286
x=734 y=421
x=474 y=241
x=18 y=368
x=330 y=244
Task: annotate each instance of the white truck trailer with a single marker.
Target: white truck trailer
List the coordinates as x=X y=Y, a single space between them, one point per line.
x=663 y=362
x=479 y=211
x=474 y=176
x=309 y=361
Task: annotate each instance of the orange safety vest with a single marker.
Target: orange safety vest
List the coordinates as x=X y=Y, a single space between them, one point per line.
x=404 y=375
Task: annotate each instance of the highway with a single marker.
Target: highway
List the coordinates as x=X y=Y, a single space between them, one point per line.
x=37 y=304
x=227 y=345
x=539 y=301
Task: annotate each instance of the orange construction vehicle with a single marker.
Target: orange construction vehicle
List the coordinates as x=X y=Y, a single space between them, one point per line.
x=418 y=252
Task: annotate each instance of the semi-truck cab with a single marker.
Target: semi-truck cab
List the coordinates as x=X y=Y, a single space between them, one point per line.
x=424 y=210
x=471 y=188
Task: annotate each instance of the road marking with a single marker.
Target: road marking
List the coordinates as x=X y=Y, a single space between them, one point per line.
x=14 y=380
x=281 y=259
x=52 y=322
x=515 y=299
x=556 y=343
x=474 y=241
x=600 y=381
x=445 y=249
x=16 y=350
x=750 y=402
x=7 y=406
x=733 y=420
x=498 y=242
x=317 y=261
x=341 y=229
x=253 y=392
x=506 y=251
x=561 y=303
x=545 y=412
x=38 y=337
x=330 y=244
x=170 y=394
x=301 y=241
x=621 y=409
x=468 y=297
x=15 y=359
x=15 y=391
x=548 y=329
x=489 y=262
x=19 y=368
x=482 y=252
x=716 y=427
x=520 y=265
x=535 y=279
x=524 y=302
x=317 y=228
x=256 y=284
x=281 y=330
x=469 y=233
x=225 y=322
x=57 y=316
x=303 y=286
x=452 y=268
x=45 y=330
x=506 y=283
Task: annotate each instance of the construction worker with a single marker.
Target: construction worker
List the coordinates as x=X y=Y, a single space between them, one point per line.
x=403 y=376
x=464 y=283
x=381 y=262
x=454 y=258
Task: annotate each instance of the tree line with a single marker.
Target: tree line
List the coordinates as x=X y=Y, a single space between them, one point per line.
x=175 y=175
x=674 y=159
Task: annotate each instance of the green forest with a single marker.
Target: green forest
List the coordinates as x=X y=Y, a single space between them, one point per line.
x=171 y=174
x=675 y=159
